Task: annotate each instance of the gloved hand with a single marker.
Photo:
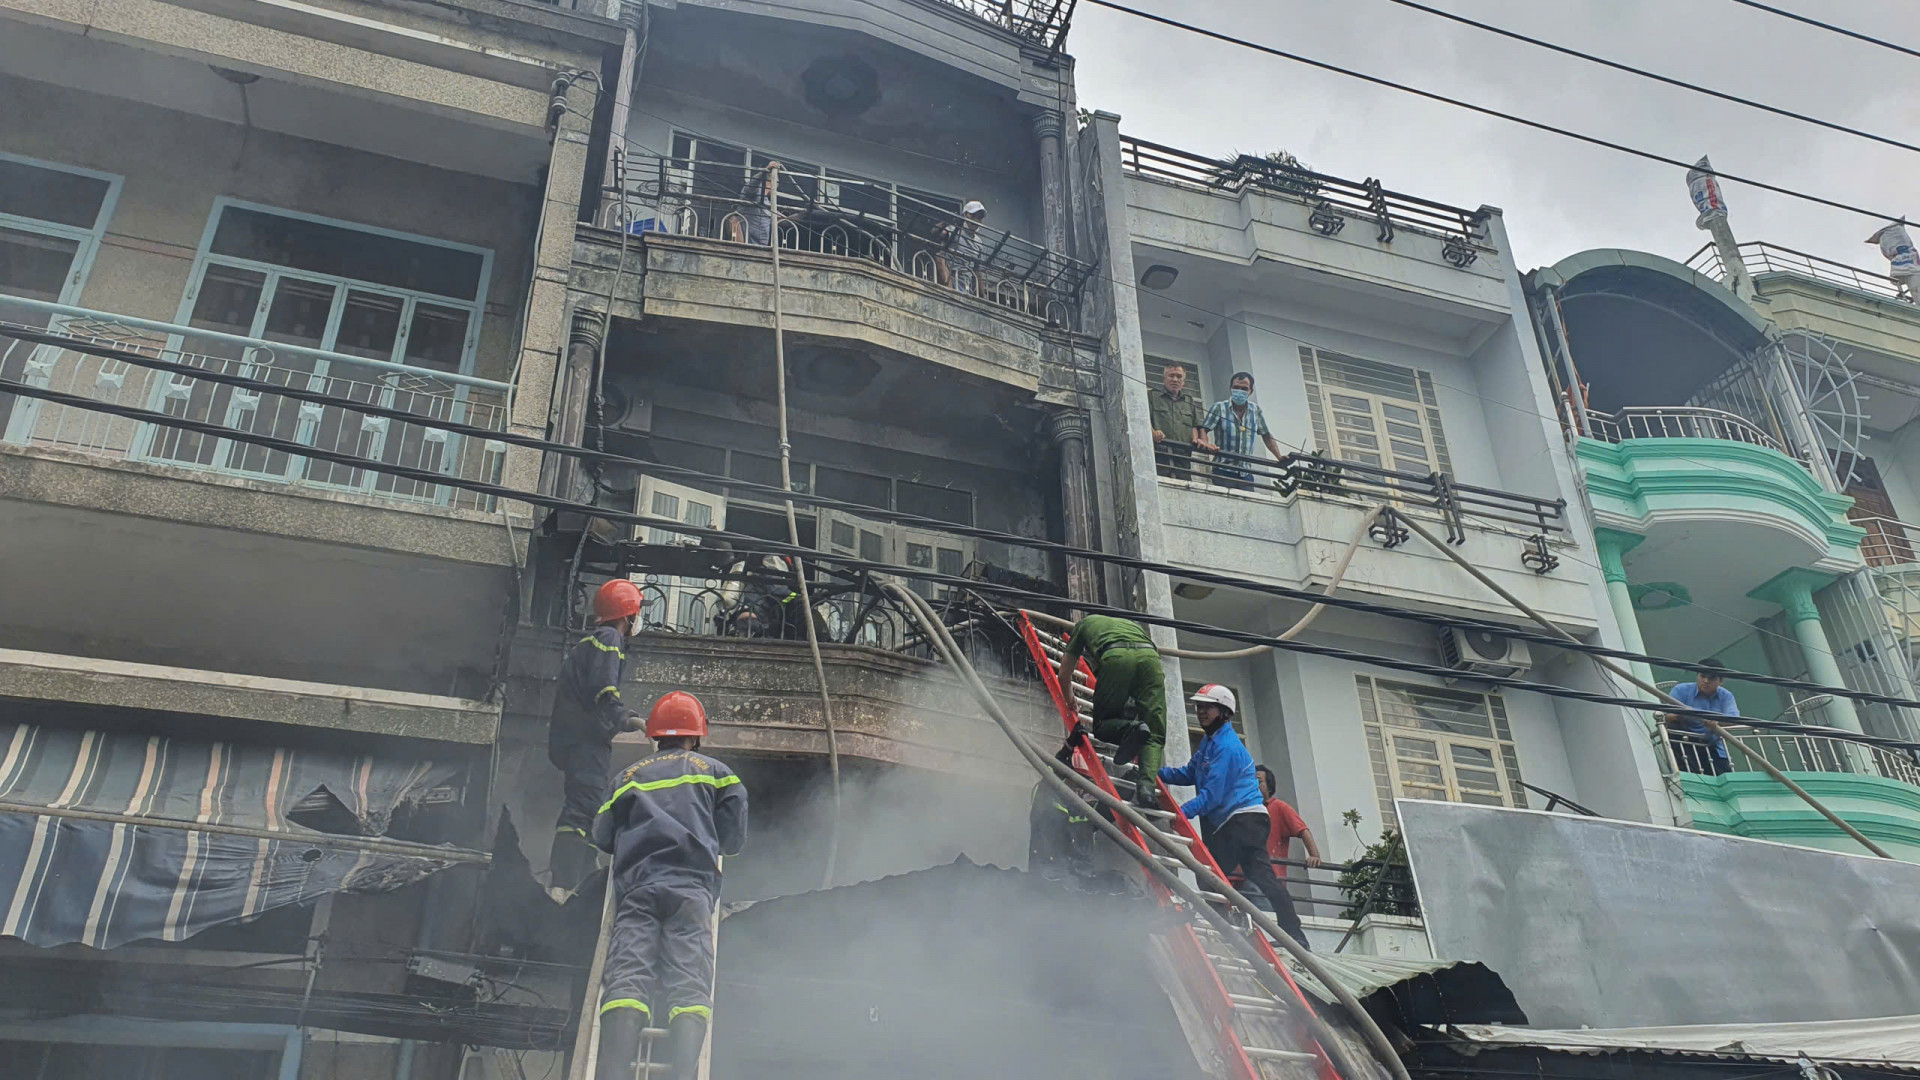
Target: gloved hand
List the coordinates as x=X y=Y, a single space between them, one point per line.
x=635 y=722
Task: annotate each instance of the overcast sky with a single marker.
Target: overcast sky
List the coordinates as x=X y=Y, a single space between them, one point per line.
x=1559 y=196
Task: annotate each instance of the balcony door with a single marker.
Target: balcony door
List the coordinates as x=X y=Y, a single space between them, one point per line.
x=409 y=307
x=51 y=218
x=1886 y=542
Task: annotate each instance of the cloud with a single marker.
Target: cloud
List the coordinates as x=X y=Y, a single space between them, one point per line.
x=1559 y=196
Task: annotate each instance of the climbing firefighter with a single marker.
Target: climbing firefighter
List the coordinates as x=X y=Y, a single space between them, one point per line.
x=1228 y=802
x=587 y=714
x=1060 y=838
x=669 y=819
x=1126 y=667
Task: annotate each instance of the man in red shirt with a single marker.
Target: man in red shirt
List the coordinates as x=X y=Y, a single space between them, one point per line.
x=1286 y=824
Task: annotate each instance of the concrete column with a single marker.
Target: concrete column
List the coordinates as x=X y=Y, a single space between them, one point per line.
x=1071 y=430
x=584 y=342
x=545 y=333
x=1612 y=545
x=1795 y=596
x=1053 y=180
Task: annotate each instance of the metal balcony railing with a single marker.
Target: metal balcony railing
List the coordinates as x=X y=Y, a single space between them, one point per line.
x=57 y=361
x=1678 y=422
x=1793 y=752
x=1333 y=198
x=1320 y=476
x=1761 y=257
x=1043 y=22
x=836 y=214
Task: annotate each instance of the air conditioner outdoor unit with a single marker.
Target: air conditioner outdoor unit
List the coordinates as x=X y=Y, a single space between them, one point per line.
x=1483 y=653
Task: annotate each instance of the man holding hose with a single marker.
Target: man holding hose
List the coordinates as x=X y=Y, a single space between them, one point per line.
x=1126 y=667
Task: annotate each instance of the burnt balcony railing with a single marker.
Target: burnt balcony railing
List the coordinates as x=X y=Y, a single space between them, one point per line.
x=1678 y=422
x=1320 y=476
x=1760 y=257
x=838 y=214
x=1332 y=198
x=1043 y=22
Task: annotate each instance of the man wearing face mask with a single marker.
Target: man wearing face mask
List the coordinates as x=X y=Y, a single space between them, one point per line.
x=1233 y=424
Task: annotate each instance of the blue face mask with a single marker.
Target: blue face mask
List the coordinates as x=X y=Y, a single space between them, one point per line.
x=1239 y=397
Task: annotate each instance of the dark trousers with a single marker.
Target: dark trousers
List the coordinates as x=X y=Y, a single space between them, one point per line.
x=1241 y=844
x=585 y=767
x=660 y=956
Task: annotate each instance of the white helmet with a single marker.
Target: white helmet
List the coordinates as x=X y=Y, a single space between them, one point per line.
x=1217 y=694
x=974 y=206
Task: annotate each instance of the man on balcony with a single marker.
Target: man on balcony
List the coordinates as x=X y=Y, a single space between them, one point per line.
x=958 y=264
x=1232 y=425
x=1177 y=418
x=1707 y=694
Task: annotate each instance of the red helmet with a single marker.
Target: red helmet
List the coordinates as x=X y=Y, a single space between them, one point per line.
x=617 y=599
x=678 y=713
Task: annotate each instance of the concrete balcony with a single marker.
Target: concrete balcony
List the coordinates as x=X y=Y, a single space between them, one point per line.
x=1874 y=789
x=133 y=541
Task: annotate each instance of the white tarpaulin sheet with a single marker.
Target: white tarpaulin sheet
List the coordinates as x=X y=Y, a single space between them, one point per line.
x=1613 y=924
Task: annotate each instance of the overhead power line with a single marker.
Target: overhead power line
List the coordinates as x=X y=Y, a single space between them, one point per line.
x=1654 y=75
x=1484 y=110
x=1841 y=30
x=748 y=543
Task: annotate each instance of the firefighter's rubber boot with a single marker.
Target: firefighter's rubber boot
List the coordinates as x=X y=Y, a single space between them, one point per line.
x=1076 y=738
x=619 y=1044
x=686 y=1037
x=572 y=860
x=1132 y=741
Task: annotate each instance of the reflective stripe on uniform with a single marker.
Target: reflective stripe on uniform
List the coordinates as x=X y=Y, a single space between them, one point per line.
x=603 y=646
x=689 y=1010
x=605 y=690
x=577 y=831
x=677 y=781
x=625 y=1003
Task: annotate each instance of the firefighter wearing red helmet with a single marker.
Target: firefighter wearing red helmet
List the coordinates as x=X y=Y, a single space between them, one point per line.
x=670 y=817
x=587 y=714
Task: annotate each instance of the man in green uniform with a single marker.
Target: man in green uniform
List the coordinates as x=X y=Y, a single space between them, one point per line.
x=1126 y=667
x=1176 y=417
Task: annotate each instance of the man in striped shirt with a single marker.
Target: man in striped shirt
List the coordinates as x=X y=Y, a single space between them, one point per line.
x=1232 y=425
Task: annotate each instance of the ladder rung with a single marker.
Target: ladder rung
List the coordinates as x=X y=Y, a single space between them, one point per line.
x=1249 y=1003
x=1261 y=1053
x=1212 y=897
x=653 y=1033
x=1163 y=815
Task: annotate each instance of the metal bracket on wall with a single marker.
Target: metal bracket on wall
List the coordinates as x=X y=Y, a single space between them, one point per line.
x=1377 y=198
x=1536 y=556
x=1325 y=219
x=1458 y=252
x=1387 y=531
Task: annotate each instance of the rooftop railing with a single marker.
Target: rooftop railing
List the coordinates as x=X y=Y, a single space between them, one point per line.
x=1334 y=199
x=1760 y=257
x=1043 y=22
x=1320 y=476
x=1677 y=422
x=60 y=347
x=836 y=214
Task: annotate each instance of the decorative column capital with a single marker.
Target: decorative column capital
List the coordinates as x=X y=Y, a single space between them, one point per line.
x=1793 y=591
x=1047 y=125
x=1612 y=546
x=586 y=329
x=1070 y=425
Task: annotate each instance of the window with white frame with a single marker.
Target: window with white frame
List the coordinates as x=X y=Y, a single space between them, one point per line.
x=1428 y=742
x=392 y=298
x=51 y=220
x=1374 y=414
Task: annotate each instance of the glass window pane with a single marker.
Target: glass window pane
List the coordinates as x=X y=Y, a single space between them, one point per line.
x=1472 y=755
x=939 y=503
x=872 y=546
x=1481 y=800
x=755 y=469
x=297 y=315
x=700 y=515
x=842 y=534
x=55 y=195
x=369 y=327
x=1422 y=748
x=1403 y=431
x=1412 y=451
x=1352 y=404
x=1358 y=421
x=35 y=266
x=854 y=487
x=951 y=561
x=666 y=506
x=920 y=555
x=438 y=338
x=686 y=455
x=1400 y=413
x=322 y=248
x=1349 y=438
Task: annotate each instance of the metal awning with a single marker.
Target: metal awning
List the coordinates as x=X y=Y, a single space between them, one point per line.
x=1886 y=1042
x=1424 y=991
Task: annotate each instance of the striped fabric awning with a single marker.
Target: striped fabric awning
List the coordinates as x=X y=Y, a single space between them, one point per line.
x=113 y=837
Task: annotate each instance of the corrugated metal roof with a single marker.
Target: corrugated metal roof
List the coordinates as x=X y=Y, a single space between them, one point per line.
x=1363 y=975
x=1890 y=1041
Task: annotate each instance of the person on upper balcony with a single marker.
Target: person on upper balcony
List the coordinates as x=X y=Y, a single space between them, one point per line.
x=1232 y=425
x=1707 y=694
x=753 y=224
x=958 y=263
x=1177 y=418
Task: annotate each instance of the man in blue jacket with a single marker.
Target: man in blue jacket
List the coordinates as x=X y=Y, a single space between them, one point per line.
x=1227 y=801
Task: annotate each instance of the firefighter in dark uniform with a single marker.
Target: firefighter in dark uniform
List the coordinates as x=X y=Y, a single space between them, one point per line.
x=1060 y=839
x=587 y=714
x=667 y=822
